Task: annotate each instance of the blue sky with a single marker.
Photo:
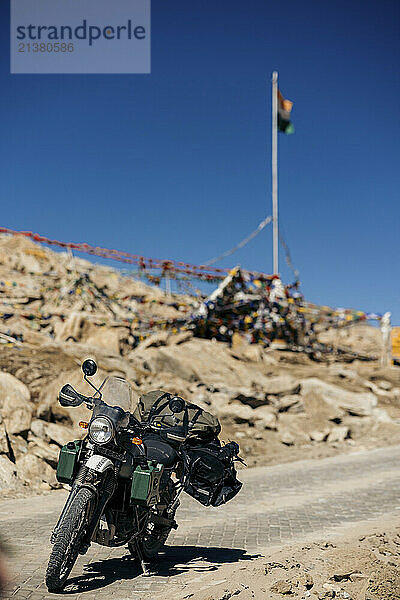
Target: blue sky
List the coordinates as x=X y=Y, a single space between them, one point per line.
x=176 y=164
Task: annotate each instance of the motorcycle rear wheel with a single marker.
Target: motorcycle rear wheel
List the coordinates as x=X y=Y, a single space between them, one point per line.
x=66 y=546
x=152 y=542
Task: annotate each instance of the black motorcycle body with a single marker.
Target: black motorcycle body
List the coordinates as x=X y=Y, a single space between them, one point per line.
x=124 y=488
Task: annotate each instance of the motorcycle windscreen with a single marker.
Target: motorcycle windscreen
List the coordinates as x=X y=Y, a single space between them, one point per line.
x=116 y=391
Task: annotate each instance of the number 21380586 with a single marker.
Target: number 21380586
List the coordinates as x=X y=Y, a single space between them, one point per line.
x=45 y=47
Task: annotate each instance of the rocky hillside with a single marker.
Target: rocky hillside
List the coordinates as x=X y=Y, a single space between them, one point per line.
x=58 y=310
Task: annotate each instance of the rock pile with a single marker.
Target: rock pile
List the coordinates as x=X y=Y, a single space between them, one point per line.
x=279 y=405
x=46 y=296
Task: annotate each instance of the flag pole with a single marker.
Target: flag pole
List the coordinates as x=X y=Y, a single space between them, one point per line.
x=275 y=247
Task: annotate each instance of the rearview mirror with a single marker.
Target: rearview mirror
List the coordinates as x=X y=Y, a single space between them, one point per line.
x=89 y=367
x=70 y=397
x=176 y=404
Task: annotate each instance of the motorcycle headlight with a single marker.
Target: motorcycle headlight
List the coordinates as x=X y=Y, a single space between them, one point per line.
x=101 y=430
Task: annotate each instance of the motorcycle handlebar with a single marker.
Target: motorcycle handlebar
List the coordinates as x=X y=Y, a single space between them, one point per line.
x=68 y=396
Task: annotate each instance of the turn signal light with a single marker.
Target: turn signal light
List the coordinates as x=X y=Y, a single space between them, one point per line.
x=83 y=424
x=137 y=441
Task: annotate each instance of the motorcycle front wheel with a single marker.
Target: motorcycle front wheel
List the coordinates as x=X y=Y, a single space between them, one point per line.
x=69 y=535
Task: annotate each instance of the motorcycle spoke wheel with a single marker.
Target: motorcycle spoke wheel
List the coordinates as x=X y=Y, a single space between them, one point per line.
x=66 y=546
x=151 y=542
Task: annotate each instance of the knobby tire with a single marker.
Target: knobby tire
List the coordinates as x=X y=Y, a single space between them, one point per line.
x=69 y=535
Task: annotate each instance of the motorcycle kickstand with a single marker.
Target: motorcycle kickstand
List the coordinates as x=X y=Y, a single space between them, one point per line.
x=146 y=572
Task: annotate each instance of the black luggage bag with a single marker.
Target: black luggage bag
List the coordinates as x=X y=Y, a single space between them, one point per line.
x=212 y=475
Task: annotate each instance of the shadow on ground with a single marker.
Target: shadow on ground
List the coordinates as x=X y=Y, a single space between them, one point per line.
x=173 y=560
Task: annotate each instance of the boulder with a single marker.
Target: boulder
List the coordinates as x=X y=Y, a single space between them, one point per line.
x=38 y=429
x=376 y=389
x=319 y=436
x=59 y=434
x=11 y=386
x=281 y=385
x=264 y=418
x=270 y=358
x=17 y=418
x=260 y=423
x=248 y=352
x=283 y=587
x=364 y=338
x=3 y=440
x=385 y=385
x=292 y=403
x=359 y=404
x=35 y=338
x=50 y=409
x=203 y=361
x=8 y=477
x=174 y=385
x=381 y=415
x=338 y=434
x=15 y=406
x=154 y=340
x=47 y=452
x=19 y=446
x=252 y=398
x=238 y=413
x=26 y=263
x=306 y=580
x=167 y=359
x=319 y=411
x=217 y=400
x=287 y=438
x=109 y=338
x=55 y=433
x=174 y=339
x=343 y=372
x=33 y=470
x=253 y=353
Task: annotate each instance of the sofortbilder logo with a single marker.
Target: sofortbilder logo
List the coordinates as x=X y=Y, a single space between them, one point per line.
x=80 y=36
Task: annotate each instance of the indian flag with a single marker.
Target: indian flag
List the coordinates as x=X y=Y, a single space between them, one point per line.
x=284 y=110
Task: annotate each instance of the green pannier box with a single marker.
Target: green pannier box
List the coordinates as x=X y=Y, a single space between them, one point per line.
x=146 y=484
x=68 y=461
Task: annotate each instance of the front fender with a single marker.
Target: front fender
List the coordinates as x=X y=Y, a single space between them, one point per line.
x=98 y=463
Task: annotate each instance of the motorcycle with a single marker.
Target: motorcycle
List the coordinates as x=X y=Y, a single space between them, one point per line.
x=125 y=479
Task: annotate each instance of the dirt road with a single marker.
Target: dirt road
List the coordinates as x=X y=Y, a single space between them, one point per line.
x=279 y=504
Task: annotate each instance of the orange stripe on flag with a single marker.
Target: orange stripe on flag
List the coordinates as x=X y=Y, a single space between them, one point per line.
x=285 y=104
